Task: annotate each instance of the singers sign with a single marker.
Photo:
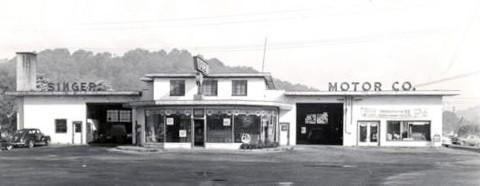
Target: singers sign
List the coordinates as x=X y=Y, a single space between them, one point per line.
x=201 y=65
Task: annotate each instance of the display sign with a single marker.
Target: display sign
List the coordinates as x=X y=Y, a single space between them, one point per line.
x=200 y=65
x=367 y=112
x=246 y=138
x=169 y=121
x=284 y=127
x=227 y=122
x=198 y=112
x=182 y=133
x=368 y=86
x=74 y=86
x=303 y=130
x=317 y=118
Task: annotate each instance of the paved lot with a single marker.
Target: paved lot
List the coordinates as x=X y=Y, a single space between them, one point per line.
x=306 y=165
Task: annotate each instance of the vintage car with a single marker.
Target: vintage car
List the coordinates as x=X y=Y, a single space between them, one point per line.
x=5 y=145
x=29 y=138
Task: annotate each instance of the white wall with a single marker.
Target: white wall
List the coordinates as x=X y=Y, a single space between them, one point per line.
x=256 y=89
x=431 y=105
x=41 y=111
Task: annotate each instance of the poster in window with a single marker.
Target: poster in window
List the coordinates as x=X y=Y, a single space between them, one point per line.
x=304 y=130
x=169 y=121
x=311 y=119
x=182 y=133
x=322 y=118
x=227 y=122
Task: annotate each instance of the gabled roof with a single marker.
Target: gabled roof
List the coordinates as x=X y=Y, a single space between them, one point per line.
x=267 y=76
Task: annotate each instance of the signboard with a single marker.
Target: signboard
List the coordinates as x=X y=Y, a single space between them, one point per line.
x=73 y=86
x=284 y=127
x=366 y=112
x=317 y=118
x=169 y=121
x=368 y=86
x=227 y=122
x=303 y=130
x=198 y=112
x=182 y=133
x=200 y=65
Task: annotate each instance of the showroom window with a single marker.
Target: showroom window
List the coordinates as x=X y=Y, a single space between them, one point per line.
x=60 y=126
x=210 y=87
x=219 y=128
x=408 y=130
x=154 y=128
x=239 y=87
x=247 y=128
x=178 y=128
x=177 y=87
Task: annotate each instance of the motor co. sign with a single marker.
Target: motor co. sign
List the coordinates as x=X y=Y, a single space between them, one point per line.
x=368 y=86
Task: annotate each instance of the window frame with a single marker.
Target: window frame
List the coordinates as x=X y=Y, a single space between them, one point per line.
x=233 y=87
x=56 y=126
x=204 y=87
x=172 y=88
x=401 y=122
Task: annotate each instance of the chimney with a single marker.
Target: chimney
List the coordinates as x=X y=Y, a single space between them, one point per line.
x=26 y=71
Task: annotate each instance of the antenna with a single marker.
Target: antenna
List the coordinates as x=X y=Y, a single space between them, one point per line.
x=264 y=54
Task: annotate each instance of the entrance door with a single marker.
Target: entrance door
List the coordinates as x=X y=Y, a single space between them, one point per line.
x=368 y=133
x=77 y=132
x=199 y=132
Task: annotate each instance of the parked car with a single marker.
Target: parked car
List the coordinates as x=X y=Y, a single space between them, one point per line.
x=29 y=138
x=470 y=140
x=5 y=145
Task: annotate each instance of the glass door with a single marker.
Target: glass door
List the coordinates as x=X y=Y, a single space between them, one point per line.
x=199 y=132
x=368 y=133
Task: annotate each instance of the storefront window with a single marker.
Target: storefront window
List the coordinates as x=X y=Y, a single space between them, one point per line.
x=247 y=127
x=408 y=131
x=219 y=128
x=154 y=128
x=178 y=128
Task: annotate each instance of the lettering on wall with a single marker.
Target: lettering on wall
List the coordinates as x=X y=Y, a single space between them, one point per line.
x=368 y=86
x=366 y=112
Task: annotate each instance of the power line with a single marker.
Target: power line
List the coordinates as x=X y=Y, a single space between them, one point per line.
x=448 y=79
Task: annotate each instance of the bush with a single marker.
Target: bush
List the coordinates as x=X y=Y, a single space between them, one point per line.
x=259 y=145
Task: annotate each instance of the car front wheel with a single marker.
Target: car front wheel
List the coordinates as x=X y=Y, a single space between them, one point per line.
x=30 y=144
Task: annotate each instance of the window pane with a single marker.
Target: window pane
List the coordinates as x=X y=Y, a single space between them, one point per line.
x=154 y=128
x=177 y=87
x=239 y=87
x=60 y=125
x=247 y=126
x=210 y=87
x=393 y=130
x=373 y=133
x=219 y=128
x=125 y=116
x=363 y=133
x=408 y=130
x=420 y=131
x=112 y=115
x=180 y=129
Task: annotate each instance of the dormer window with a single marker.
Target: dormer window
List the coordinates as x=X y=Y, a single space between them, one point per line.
x=239 y=87
x=210 y=87
x=177 y=87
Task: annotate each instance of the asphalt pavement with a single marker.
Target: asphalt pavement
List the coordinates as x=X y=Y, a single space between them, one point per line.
x=304 y=165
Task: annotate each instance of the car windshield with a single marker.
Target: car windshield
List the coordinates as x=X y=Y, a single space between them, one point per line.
x=20 y=132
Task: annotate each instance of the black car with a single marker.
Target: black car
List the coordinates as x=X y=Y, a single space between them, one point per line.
x=29 y=138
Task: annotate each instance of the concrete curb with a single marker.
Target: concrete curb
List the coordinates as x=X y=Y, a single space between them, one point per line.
x=150 y=149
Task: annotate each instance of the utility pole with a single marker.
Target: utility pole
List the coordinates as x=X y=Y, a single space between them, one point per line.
x=264 y=54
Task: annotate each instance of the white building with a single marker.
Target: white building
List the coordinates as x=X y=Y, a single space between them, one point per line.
x=231 y=109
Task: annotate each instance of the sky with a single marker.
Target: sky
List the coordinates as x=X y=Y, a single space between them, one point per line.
x=308 y=42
